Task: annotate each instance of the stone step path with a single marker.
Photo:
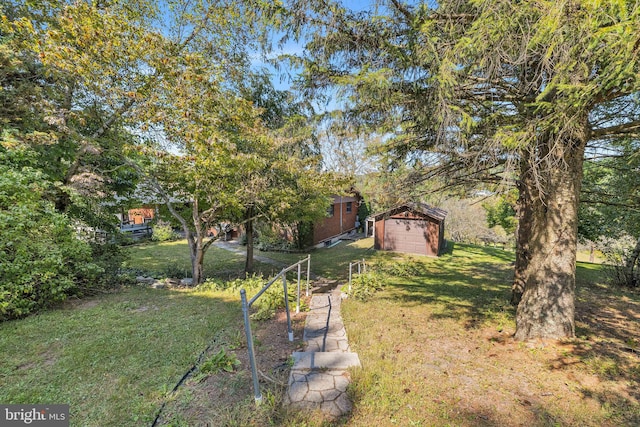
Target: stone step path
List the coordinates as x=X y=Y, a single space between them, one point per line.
x=319 y=376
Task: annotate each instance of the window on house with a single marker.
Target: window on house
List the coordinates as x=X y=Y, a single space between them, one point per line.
x=330 y=211
x=349 y=204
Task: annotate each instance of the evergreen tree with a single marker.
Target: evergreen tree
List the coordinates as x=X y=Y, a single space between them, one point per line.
x=485 y=91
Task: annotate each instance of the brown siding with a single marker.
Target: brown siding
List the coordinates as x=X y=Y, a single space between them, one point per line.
x=409 y=232
x=140 y=215
x=379 y=235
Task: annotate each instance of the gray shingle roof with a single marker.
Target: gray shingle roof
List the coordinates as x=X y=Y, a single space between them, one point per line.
x=423 y=208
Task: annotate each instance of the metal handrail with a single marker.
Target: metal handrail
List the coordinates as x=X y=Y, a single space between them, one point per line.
x=246 y=305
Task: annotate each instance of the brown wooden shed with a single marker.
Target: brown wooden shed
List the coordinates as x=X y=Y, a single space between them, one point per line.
x=414 y=228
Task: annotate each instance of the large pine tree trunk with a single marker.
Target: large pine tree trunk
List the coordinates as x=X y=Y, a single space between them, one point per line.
x=524 y=212
x=547 y=307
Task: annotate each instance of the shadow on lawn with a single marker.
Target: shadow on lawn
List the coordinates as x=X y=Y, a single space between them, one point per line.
x=472 y=297
x=498 y=254
x=471 y=291
x=608 y=344
x=611 y=363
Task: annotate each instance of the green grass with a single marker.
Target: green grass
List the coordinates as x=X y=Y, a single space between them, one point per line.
x=163 y=258
x=436 y=349
x=434 y=343
x=114 y=358
x=332 y=263
x=470 y=283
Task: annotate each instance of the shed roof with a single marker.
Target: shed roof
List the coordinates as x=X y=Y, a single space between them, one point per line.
x=435 y=213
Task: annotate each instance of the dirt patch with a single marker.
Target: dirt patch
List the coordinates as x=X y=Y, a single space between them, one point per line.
x=48 y=358
x=227 y=398
x=82 y=304
x=144 y=308
x=420 y=366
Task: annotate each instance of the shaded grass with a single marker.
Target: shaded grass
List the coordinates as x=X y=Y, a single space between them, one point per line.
x=469 y=284
x=437 y=349
x=115 y=358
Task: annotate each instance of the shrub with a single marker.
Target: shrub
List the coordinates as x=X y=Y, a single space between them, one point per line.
x=41 y=259
x=365 y=285
x=176 y=271
x=265 y=307
x=401 y=268
x=109 y=258
x=617 y=254
x=275 y=239
x=163 y=232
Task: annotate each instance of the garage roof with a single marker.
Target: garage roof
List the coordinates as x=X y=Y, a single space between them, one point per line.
x=435 y=213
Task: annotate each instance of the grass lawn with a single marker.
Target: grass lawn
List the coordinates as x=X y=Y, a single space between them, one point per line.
x=435 y=345
x=113 y=358
x=332 y=263
x=116 y=358
x=436 y=350
x=172 y=259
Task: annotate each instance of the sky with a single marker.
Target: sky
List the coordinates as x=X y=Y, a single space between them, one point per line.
x=282 y=78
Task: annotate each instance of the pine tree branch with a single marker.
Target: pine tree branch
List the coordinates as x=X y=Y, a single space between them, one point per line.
x=630 y=128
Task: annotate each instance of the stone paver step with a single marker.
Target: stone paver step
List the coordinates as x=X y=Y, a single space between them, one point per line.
x=319 y=377
x=308 y=360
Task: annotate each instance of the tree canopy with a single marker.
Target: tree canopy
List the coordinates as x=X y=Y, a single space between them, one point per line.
x=97 y=96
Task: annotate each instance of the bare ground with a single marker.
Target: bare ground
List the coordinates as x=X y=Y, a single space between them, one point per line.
x=227 y=398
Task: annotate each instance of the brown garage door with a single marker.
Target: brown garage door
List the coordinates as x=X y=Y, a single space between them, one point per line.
x=406 y=235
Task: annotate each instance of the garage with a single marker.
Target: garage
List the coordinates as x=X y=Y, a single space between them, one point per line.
x=414 y=228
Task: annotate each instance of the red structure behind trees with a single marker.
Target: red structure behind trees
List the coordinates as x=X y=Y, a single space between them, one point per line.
x=410 y=228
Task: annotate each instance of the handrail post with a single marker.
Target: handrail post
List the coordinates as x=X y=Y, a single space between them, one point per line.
x=298 y=293
x=286 y=305
x=308 y=272
x=246 y=305
x=252 y=358
x=350 y=268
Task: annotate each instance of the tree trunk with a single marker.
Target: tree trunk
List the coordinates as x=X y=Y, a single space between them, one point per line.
x=197 y=245
x=524 y=213
x=547 y=307
x=631 y=267
x=248 y=265
x=197 y=269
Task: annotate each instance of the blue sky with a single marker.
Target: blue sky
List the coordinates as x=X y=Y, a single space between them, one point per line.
x=293 y=47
